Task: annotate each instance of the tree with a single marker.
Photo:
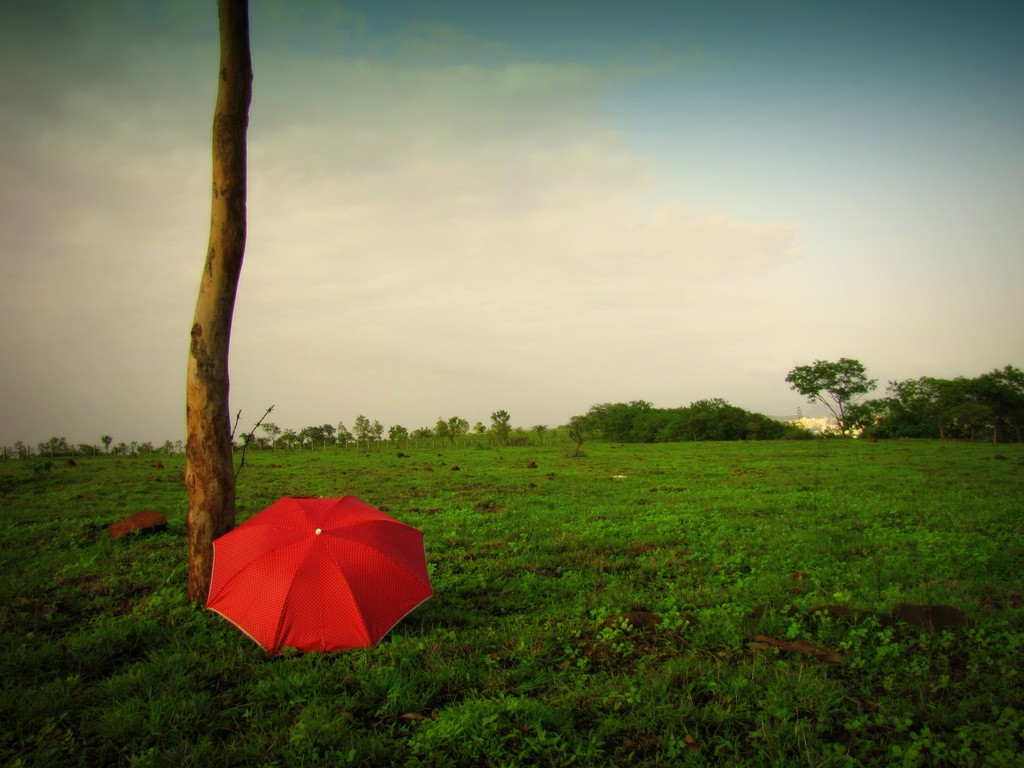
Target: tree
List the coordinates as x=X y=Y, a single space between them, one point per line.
x=209 y=475
x=622 y=422
x=580 y=428
x=1003 y=392
x=441 y=431
x=921 y=407
x=55 y=446
x=835 y=385
x=344 y=437
x=970 y=416
x=377 y=432
x=457 y=427
x=500 y=426
x=288 y=438
x=272 y=431
x=106 y=440
x=309 y=435
x=399 y=435
x=327 y=432
x=362 y=430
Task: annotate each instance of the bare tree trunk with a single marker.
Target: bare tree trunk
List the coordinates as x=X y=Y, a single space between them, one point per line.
x=209 y=476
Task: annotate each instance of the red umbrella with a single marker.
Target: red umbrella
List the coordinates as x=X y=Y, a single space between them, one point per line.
x=318 y=574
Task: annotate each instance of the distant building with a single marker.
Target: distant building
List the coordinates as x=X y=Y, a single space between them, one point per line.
x=821 y=425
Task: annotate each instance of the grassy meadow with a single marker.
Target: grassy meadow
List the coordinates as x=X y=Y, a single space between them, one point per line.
x=815 y=603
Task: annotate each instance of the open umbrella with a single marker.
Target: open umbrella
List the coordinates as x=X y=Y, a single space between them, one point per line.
x=318 y=574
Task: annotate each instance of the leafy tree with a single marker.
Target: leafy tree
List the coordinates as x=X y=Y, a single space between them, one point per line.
x=272 y=431
x=867 y=416
x=377 y=431
x=710 y=419
x=836 y=385
x=55 y=446
x=327 y=433
x=362 y=429
x=343 y=436
x=457 y=427
x=921 y=407
x=209 y=471
x=106 y=440
x=500 y=426
x=623 y=422
x=716 y=419
x=580 y=429
x=1002 y=391
x=289 y=438
x=539 y=430
x=399 y=435
x=442 y=431
x=971 y=416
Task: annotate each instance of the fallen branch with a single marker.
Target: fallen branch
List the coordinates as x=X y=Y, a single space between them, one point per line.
x=764 y=643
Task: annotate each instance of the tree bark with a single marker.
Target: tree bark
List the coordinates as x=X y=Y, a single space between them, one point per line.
x=209 y=475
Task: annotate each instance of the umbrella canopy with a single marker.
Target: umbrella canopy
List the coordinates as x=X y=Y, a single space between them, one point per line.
x=318 y=574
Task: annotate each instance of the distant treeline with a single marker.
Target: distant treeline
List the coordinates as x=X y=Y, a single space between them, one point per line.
x=639 y=421
x=986 y=407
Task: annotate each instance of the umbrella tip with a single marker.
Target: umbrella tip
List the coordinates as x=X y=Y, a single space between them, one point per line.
x=319 y=531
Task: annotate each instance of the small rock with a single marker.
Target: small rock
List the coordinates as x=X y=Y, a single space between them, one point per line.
x=145 y=521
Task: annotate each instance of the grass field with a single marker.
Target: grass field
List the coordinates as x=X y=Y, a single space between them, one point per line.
x=724 y=554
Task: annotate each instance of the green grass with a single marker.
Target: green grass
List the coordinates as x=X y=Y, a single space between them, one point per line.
x=519 y=658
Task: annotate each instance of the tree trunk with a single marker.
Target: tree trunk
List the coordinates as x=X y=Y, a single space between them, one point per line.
x=209 y=475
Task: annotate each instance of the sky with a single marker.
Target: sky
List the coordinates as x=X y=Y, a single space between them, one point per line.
x=458 y=207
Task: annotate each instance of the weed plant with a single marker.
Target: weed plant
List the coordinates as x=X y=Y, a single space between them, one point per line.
x=671 y=604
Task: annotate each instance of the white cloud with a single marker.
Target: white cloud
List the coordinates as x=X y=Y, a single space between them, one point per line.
x=422 y=240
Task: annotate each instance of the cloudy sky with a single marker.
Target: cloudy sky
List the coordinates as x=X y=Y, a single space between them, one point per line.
x=457 y=207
